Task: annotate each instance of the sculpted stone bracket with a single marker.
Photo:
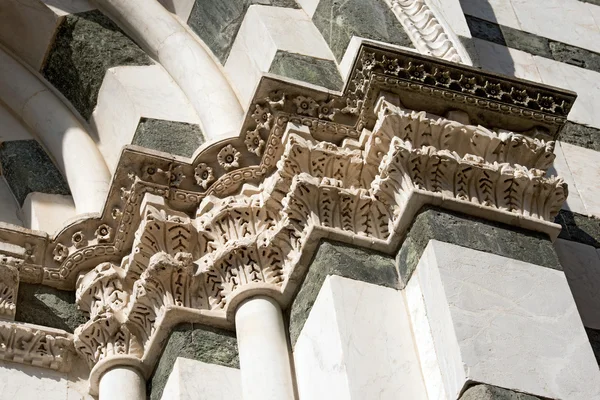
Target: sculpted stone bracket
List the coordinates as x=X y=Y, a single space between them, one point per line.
x=181 y=240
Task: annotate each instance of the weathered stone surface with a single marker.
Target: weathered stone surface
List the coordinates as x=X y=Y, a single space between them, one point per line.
x=581 y=135
x=533 y=44
x=86 y=46
x=340 y=21
x=594 y=336
x=308 y=69
x=466 y=231
x=334 y=258
x=27 y=168
x=169 y=136
x=579 y=228
x=487 y=392
x=43 y=305
x=196 y=342
x=217 y=22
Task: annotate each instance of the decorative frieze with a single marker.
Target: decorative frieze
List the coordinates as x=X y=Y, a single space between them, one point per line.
x=35 y=345
x=9 y=287
x=189 y=241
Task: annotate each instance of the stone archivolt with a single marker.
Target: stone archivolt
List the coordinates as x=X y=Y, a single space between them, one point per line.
x=189 y=241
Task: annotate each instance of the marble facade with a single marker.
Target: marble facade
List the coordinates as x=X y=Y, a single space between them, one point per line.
x=280 y=199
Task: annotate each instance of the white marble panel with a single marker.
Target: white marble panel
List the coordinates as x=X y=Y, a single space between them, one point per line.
x=504 y=322
x=19 y=382
x=357 y=343
x=264 y=31
x=566 y=21
x=507 y=61
x=129 y=93
x=11 y=128
x=195 y=380
x=498 y=11
x=584 y=165
x=582 y=268
x=47 y=212
x=9 y=208
x=309 y=6
x=584 y=82
x=561 y=168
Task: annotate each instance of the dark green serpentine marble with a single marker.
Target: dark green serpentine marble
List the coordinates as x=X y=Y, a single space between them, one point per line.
x=27 y=168
x=171 y=137
x=46 y=306
x=86 y=45
x=488 y=392
x=339 y=21
x=307 y=69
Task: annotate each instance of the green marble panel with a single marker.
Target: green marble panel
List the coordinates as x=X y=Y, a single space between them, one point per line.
x=171 y=137
x=339 y=21
x=86 y=45
x=43 y=305
x=27 y=168
x=308 y=69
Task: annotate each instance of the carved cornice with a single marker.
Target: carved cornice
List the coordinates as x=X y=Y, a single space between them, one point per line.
x=363 y=191
x=35 y=345
x=496 y=107
x=425 y=30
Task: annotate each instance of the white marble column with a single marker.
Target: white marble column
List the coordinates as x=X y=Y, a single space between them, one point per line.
x=122 y=383
x=264 y=352
x=186 y=60
x=76 y=155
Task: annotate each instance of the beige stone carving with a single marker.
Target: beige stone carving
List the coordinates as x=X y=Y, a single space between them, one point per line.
x=35 y=345
x=9 y=287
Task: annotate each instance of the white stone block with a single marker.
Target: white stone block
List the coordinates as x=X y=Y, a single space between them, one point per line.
x=584 y=165
x=502 y=322
x=585 y=82
x=499 y=11
x=264 y=31
x=504 y=60
x=195 y=380
x=47 y=212
x=129 y=93
x=20 y=382
x=357 y=344
x=582 y=268
x=561 y=168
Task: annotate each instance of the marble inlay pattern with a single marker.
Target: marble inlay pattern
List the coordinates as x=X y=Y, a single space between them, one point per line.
x=27 y=168
x=308 y=69
x=86 y=46
x=533 y=44
x=173 y=137
x=217 y=22
x=340 y=21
